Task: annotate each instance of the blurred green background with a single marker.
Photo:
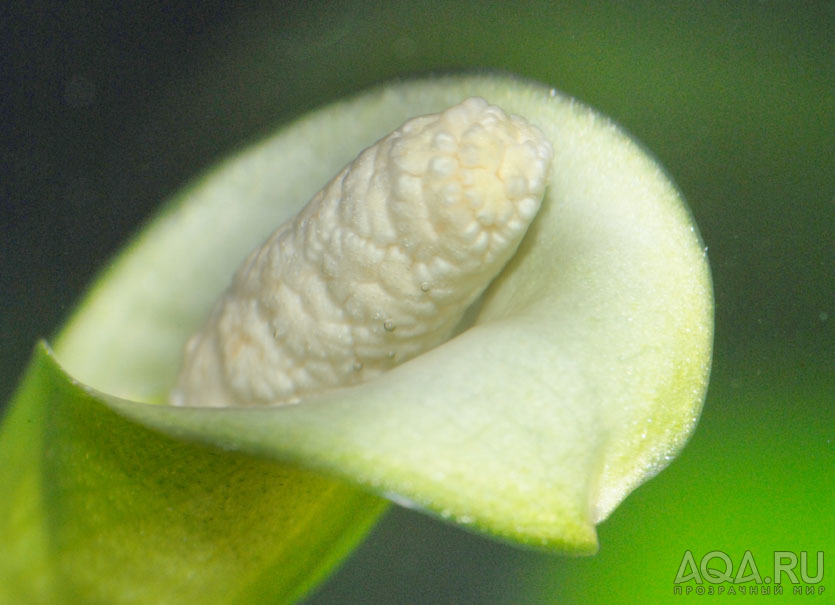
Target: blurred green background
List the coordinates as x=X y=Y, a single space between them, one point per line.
x=105 y=110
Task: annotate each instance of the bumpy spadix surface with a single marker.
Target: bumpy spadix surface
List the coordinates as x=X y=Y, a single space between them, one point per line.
x=581 y=372
x=378 y=267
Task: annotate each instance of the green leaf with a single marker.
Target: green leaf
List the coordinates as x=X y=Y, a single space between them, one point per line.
x=579 y=374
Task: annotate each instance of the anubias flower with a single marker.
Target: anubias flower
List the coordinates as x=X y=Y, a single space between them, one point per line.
x=500 y=316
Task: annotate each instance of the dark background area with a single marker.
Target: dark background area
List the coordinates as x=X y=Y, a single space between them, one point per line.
x=107 y=109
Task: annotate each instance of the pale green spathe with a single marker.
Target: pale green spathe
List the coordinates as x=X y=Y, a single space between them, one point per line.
x=583 y=373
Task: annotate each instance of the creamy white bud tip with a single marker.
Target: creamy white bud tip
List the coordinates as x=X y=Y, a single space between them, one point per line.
x=379 y=266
